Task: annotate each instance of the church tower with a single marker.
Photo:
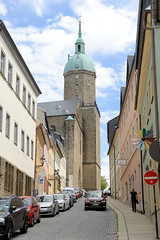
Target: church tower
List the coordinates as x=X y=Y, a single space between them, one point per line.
x=79 y=83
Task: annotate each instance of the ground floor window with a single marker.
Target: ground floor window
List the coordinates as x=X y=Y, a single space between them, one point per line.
x=28 y=186
x=8 y=179
x=19 y=183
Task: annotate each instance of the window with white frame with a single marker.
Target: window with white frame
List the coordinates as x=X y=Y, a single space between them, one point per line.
x=15 y=133
x=10 y=73
x=130 y=144
x=29 y=102
x=7 y=125
x=17 y=85
x=1 y=117
x=2 y=62
x=22 y=140
x=27 y=145
x=33 y=108
x=24 y=95
x=32 y=147
x=137 y=124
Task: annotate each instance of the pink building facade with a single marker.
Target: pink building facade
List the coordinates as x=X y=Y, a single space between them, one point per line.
x=128 y=129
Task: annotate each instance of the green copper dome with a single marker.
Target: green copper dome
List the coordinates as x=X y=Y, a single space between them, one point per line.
x=79 y=61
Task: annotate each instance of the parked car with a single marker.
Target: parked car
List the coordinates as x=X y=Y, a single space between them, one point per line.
x=71 y=190
x=95 y=199
x=13 y=216
x=63 y=202
x=48 y=204
x=69 y=197
x=79 y=191
x=33 y=209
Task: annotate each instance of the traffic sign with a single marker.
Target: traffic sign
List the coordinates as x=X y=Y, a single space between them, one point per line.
x=41 y=180
x=150 y=177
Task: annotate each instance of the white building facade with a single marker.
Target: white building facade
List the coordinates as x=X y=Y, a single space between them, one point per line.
x=18 y=105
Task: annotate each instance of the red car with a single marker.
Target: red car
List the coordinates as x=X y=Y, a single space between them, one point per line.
x=95 y=199
x=33 y=209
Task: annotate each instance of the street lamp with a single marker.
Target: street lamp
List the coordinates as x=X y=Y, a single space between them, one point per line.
x=42 y=159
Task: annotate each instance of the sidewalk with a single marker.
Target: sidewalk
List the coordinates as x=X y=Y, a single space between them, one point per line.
x=131 y=225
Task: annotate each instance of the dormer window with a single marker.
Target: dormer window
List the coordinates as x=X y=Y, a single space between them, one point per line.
x=79 y=48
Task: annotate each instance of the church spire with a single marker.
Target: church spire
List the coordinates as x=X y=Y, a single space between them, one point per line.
x=79 y=45
x=79 y=32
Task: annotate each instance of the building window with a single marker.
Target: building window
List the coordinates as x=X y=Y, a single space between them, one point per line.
x=1 y=116
x=17 y=85
x=130 y=144
x=32 y=148
x=33 y=108
x=27 y=145
x=19 y=183
x=24 y=95
x=29 y=102
x=136 y=124
x=8 y=179
x=7 y=125
x=10 y=72
x=15 y=133
x=22 y=140
x=132 y=92
x=28 y=186
x=2 y=63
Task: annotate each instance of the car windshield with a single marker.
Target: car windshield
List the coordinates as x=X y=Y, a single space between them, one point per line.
x=45 y=198
x=67 y=193
x=4 y=204
x=27 y=201
x=94 y=194
x=59 y=196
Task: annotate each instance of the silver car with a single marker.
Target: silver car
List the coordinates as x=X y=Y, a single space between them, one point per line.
x=63 y=202
x=48 y=205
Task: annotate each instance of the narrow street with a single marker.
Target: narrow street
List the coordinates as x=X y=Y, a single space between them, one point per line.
x=74 y=224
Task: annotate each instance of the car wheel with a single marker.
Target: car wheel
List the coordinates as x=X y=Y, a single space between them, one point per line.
x=9 y=231
x=53 y=213
x=63 y=208
x=39 y=218
x=58 y=211
x=32 y=223
x=85 y=209
x=24 y=229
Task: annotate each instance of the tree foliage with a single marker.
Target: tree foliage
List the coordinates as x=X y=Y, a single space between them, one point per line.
x=104 y=182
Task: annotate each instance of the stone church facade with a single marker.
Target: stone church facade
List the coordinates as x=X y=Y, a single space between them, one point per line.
x=77 y=119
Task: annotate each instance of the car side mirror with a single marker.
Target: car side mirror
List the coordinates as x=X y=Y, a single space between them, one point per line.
x=13 y=208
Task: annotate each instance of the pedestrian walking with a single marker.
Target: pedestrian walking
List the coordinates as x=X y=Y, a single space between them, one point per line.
x=133 y=199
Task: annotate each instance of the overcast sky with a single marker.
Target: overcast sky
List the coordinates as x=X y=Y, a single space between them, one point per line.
x=45 y=32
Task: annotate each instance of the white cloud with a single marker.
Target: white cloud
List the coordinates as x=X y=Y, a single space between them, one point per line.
x=3 y=9
x=45 y=49
x=107 y=116
x=107 y=30
x=106 y=77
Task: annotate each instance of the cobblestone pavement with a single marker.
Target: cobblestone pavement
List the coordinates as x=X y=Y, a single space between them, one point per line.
x=74 y=224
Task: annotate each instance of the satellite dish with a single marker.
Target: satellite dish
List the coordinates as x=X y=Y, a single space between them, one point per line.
x=154 y=150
